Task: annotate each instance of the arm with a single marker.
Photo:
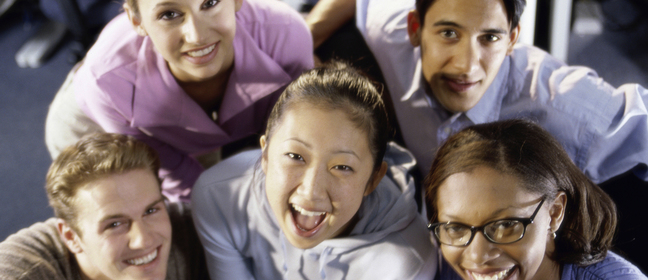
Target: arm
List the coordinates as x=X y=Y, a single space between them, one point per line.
x=328 y=16
x=624 y=144
x=604 y=130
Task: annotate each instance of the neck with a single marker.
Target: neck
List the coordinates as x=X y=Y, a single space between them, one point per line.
x=209 y=93
x=549 y=268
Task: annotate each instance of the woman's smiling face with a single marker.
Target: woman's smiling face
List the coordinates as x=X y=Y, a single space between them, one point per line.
x=318 y=167
x=484 y=195
x=195 y=37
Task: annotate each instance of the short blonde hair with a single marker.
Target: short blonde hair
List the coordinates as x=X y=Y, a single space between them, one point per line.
x=94 y=157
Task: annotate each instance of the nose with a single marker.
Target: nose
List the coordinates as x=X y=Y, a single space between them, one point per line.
x=313 y=185
x=140 y=236
x=480 y=250
x=192 y=30
x=465 y=59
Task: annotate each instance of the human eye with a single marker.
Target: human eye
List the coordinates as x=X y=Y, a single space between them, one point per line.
x=114 y=225
x=151 y=210
x=491 y=38
x=168 y=15
x=455 y=230
x=343 y=168
x=503 y=230
x=294 y=156
x=448 y=33
x=210 y=3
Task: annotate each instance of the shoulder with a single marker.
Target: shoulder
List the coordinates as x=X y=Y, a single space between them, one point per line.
x=118 y=45
x=232 y=169
x=35 y=252
x=226 y=184
x=612 y=267
x=575 y=92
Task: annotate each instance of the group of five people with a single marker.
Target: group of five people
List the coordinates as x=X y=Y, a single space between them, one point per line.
x=326 y=194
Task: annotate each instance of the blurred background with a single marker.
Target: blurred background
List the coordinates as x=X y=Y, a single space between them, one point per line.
x=41 y=40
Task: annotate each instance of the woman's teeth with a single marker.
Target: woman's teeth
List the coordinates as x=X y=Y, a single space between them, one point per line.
x=144 y=260
x=306 y=212
x=202 y=52
x=500 y=275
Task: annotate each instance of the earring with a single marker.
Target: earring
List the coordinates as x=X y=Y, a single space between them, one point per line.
x=554 y=235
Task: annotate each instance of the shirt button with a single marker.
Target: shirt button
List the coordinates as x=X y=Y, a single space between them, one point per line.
x=447 y=130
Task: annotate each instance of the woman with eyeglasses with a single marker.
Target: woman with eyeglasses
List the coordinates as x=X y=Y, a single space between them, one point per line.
x=508 y=203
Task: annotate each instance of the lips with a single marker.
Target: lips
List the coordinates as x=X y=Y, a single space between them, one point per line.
x=459 y=85
x=145 y=259
x=202 y=55
x=497 y=275
x=307 y=222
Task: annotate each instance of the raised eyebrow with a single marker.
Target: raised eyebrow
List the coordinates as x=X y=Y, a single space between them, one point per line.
x=347 y=152
x=164 y=5
x=496 y=213
x=495 y=31
x=447 y=23
x=299 y=140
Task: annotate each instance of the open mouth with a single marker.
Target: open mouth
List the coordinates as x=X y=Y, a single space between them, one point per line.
x=503 y=274
x=307 y=222
x=145 y=259
x=459 y=85
x=203 y=52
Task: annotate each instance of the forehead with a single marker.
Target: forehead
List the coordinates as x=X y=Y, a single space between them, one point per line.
x=126 y=194
x=321 y=127
x=468 y=12
x=480 y=192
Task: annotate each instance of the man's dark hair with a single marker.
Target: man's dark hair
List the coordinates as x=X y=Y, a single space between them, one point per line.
x=514 y=9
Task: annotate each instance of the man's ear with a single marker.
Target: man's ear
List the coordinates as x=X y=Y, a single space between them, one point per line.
x=557 y=211
x=135 y=20
x=69 y=236
x=514 y=36
x=375 y=179
x=414 y=28
x=264 y=153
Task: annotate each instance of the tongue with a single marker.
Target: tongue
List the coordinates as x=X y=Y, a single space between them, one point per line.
x=307 y=223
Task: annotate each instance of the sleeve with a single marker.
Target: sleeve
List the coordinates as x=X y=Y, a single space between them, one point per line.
x=383 y=25
x=623 y=145
x=35 y=253
x=606 y=129
x=220 y=227
x=108 y=100
x=291 y=46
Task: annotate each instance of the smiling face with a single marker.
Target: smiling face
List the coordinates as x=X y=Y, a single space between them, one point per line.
x=463 y=44
x=194 y=36
x=318 y=167
x=125 y=228
x=484 y=195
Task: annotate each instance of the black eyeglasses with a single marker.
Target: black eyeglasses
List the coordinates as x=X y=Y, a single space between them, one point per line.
x=503 y=231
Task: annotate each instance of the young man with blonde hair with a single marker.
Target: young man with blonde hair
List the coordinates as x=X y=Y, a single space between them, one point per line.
x=112 y=221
